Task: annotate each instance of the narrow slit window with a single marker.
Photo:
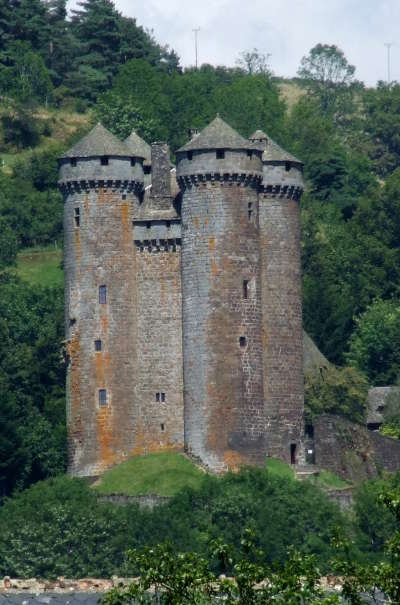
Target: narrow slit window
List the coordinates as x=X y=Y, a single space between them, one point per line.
x=77 y=217
x=245 y=289
x=133 y=161
x=102 y=295
x=250 y=210
x=220 y=154
x=98 y=345
x=162 y=397
x=243 y=341
x=288 y=166
x=158 y=397
x=163 y=427
x=102 y=397
x=73 y=162
x=104 y=161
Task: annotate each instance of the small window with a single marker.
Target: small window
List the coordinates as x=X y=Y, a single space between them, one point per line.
x=73 y=162
x=220 y=154
x=190 y=155
x=288 y=166
x=160 y=398
x=133 y=161
x=163 y=427
x=102 y=295
x=98 y=345
x=104 y=161
x=309 y=431
x=245 y=288
x=77 y=217
x=147 y=169
x=243 y=341
x=249 y=153
x=102 y=397
x=250 y=210
x=293 y=448
x=148 y=225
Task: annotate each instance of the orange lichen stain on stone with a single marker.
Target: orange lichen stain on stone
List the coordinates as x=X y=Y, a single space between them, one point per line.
x=86 y=204
x=102 y=365
x=211 y=243
x=125 y=224
x=101 y=195
x=104 y=324
x=214 y=268
x=206 y=221
x=73 y=352
x=196 y=222
x=234 y=460
x=163 y=291
x=108 y=457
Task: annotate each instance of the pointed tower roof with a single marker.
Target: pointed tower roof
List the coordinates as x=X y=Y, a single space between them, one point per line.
x=272 y=151
x=217 y=135
x=138 y=147
x=99 y=142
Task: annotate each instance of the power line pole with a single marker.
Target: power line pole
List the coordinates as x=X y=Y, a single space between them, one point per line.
x=196 y=33
x=388 y=46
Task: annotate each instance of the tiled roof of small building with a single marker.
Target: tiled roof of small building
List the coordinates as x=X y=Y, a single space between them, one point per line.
x=139 y=147
x=272 y=151
x=217 y=135
x=99 y=142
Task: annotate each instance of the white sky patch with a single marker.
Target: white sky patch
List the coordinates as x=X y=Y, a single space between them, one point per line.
x=285 y=28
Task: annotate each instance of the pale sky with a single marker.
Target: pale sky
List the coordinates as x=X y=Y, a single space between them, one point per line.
x=285 y=28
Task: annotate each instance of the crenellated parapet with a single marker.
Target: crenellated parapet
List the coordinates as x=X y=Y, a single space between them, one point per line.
x=243 y=179
x=84 y=186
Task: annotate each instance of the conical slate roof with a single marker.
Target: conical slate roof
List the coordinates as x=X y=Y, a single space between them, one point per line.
x=272 y=151
x=138 y=147
x=217 y=135
x=99 y=142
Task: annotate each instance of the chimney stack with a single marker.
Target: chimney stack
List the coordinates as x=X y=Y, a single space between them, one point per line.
x=161 y=175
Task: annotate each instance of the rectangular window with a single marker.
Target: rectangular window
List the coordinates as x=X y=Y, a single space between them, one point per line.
x=160 y=398
x=190 y=155
x=102 y=397
x=77 y=217
x=73 y=162
x=243 y=341
x=249 y=153
x=162 y=427
x=97 y=345
x=287 y=166
x=133 y=162
x=102 y=295
x=147 y=169
x=245 y=288
x=293 y=448
x=250 y=210
x=220 y=154
x=104 y=161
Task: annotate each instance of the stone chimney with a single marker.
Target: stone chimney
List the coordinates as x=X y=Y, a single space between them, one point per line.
x=161 y=176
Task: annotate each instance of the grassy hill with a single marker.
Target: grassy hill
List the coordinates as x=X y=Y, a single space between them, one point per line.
x=164 y=474
x=41 y=266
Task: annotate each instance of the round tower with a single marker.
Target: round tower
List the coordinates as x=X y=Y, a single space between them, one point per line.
x=279 y=221
x=101 y=180
x=218 y=172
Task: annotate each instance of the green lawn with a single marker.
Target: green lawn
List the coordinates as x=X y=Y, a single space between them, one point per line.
x=164 y=474
x=328 y=479
x=279 y=468
x=41 y=266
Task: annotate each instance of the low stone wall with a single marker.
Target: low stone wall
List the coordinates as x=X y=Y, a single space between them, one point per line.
x=351 y=451
x=148 y=501
x=342 y=497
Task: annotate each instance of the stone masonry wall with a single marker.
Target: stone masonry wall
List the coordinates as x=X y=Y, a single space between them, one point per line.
x=352 y=451
x=224 y=411
x=279 y=219
x=100 y=252
x=159 y=333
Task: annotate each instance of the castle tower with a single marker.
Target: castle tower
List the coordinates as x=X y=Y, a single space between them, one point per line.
x=279 y=221
x=219 y=173
x=157 y=237
x=101 y=180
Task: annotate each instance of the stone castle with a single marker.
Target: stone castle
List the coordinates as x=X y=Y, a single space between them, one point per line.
x=183 y=299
